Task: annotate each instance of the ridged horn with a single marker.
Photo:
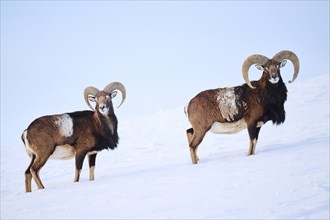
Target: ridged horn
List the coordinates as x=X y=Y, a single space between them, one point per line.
x=90 y=91
x=119 y=86
x=289 y=55
x=253 y=59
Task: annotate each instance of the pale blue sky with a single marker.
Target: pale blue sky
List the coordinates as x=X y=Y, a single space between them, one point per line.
x=164 y=52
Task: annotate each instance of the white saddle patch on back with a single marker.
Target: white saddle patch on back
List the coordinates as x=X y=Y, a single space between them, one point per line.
x=227 y=103
x=65 y=125
x=228 y=128
x=63 y=152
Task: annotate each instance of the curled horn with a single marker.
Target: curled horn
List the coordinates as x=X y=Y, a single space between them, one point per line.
x=253 y=59
x=289 y=55
x=116 y=85
x=90 y=91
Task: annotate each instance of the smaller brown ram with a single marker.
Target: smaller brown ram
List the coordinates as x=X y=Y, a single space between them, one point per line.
x=74 y=134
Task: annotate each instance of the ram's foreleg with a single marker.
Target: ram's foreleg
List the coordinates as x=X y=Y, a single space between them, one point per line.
x=80 y=156
x=91 y=161
x=253 y=134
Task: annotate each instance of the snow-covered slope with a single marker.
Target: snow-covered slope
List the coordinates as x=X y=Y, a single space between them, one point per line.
x=150 y=175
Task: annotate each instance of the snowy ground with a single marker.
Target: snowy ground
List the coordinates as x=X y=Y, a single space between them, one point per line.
x=150 y=175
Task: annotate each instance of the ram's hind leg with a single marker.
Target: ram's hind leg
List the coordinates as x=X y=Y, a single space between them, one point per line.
x=194 y=139
x=35 y=168
x=193 y=154
x=28 y=175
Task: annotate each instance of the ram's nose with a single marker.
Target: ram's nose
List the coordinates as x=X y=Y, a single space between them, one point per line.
x=102 y=108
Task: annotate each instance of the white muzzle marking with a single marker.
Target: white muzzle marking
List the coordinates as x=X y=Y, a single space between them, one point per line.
x=103 y=109
x=274 y=80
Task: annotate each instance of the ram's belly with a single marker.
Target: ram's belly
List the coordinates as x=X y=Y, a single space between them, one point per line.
x=228 y=128
x=63 y=152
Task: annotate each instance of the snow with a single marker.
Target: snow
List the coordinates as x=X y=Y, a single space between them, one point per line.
x=150 y=174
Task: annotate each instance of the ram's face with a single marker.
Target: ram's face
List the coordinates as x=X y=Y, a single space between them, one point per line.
x=104 y=102
x=272 y=70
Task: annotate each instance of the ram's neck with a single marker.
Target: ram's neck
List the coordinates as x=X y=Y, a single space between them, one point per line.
x=107 y=123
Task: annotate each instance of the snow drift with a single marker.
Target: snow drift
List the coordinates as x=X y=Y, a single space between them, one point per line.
x=150 y=175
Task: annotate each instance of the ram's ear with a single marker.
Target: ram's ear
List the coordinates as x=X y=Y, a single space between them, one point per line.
x=259 y=67
x=283 y=63
x=113 y=94
x=91 y=98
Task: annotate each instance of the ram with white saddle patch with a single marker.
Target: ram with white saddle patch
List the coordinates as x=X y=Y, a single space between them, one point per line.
x=230 y=110
x=74 y=134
